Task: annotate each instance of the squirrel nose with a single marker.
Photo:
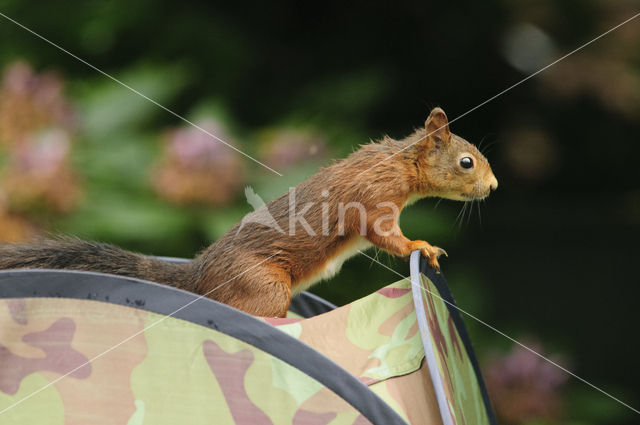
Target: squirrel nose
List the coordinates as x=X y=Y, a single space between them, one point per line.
x=493 y=184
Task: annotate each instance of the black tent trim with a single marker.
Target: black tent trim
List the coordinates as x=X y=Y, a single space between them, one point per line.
x=442 y=287
x=308 y=305
x=165 y=300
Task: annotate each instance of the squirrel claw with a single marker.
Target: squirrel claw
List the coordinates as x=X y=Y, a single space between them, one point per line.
x=430 y=252
x=433 y=262
x=433 y=253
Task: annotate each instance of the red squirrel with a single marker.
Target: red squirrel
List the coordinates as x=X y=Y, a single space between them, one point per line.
x=306 y=234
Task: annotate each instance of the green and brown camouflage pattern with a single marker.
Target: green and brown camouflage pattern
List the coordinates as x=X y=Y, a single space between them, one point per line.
x=382 y=347
x=163 y=370
x=463 y=394
x=168 y=371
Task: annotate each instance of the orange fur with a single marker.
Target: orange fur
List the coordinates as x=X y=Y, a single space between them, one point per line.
x=424 y=164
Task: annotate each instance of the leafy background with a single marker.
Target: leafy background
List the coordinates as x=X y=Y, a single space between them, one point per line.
x=549 y=259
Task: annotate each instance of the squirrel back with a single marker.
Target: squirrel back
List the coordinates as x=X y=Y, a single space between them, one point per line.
x=306 y=234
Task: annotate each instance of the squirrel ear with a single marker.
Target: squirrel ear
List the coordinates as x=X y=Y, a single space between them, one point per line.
x=437 y=126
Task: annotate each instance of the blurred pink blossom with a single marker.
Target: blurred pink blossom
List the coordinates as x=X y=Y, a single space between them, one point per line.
x=283 y=148
x=198 y=169
x=39 y=176
x=36 y=122
x=524 y=387
x=30 y=102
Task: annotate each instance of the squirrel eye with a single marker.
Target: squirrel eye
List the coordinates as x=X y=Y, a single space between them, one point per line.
x=466 y=162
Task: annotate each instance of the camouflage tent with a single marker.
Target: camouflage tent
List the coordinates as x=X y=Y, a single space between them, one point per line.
x=87 y=348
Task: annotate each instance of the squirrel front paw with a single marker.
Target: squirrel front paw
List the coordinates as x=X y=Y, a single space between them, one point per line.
x=429 y=251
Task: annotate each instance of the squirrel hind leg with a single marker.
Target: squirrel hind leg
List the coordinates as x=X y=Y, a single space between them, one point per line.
x=266 y=292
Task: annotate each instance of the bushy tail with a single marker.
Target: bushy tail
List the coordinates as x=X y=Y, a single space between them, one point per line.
x=75 y=254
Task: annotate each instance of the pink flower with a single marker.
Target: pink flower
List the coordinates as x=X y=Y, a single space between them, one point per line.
x=198 y=169
x=523 y=386
x=283 y=148
x=38 y=175
x=31 y=102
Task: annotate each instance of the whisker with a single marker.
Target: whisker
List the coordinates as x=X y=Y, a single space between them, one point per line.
x=481 y=142
x=467 y=211
x=462 y=214
x=390 y=259
x=466 y=208
x=458 y=216
x=470 y=213
x=375 y=250
x=488 y=147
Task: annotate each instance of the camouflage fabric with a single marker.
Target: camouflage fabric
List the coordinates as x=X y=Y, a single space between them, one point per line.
x=455 y=370
x=173 y=372
x=376 y=339
x=381 y=346
x=170 y=371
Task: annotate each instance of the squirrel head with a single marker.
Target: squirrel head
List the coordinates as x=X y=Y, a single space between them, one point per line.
x=449 y=166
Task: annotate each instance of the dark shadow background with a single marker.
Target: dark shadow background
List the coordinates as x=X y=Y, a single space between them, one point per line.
x=553 y=257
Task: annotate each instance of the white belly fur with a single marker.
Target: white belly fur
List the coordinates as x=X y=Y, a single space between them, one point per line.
x=412 y=199
x=333 y=266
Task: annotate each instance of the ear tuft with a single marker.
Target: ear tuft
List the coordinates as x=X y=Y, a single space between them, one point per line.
x=437 y=125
